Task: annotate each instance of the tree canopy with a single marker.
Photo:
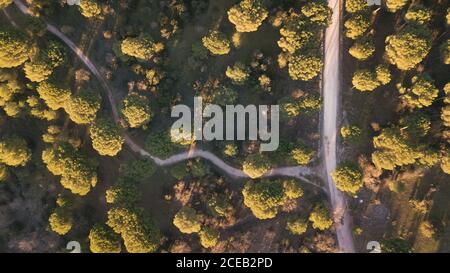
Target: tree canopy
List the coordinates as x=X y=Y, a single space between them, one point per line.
x=320 y=218
x=353 y=6
x=317 y=12
x=356 y=26
x=78 y=173
x=265 y=198
x=408 y=47
x=54 y=93
x=395 y=5
x=3 y=172
x=102 y=239
x=217 y=43
x=15 y=48
x=348 y=177
x=248 y=15
x=305 y=67
x=14 y=151
x=362 y=49
x=143 y=48
x=238 y=73
x=138 y=231
x=61 y=221
x=187 y=220
x=420 y=93
x=5 y=3
x=90 y=8
x=106 y=137
x=136 y=110
x=256 y=165
x=297 y=226
x=83 y=106
x=419 y=14
x=209 y=237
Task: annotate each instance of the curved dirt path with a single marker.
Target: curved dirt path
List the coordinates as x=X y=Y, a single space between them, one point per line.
x=331 y=97
x=295 y=171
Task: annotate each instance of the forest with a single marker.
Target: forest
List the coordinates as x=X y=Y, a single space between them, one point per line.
x=87 y=152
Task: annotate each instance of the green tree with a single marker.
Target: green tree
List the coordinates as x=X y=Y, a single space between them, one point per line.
x=362 y=49
x=310 y=103
x=209 y=237
x=351 y=133
x=256 y=165
x=353 y=6
x=159 y=144
x=318 y=12
x=3 y=172
x=419 y=14
x=238 y=73
x=320 y=218
x=61 y=221
x=78 y=173
x=187 y=220
x=143 y=48
x=264 y=198
x=38 y=69
x=445 y=115
x=445 y=162
x=297 y=226
x=393 y=149
x=295 y=34
x=106 y=137
x=365 y=80
x=154 y=76
x=396 y=245
x=445 y=51
x=395 y=5
x=56 y=53
x=83 y=106
x=217 y=43
x=55 y=94
x=5 y=3
x=289 y=107
x=138 y=231
x=248 y=15
x=416 y=125
x=302 y=154
x=292 y=189
x=14 y=151
x=15 y=48
x=230 y=150
x=137 y=170
x=102 y=239
x=304 y=67
x=90 y=8
x=136 y=110
x=348 y=177
x=356 y=26
x=409 y=47
x=124 y=193
x=420 y=93
x=448 y=17
x=220 y=205
x=224 y=96
x=9 y=86
x=383 y=74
